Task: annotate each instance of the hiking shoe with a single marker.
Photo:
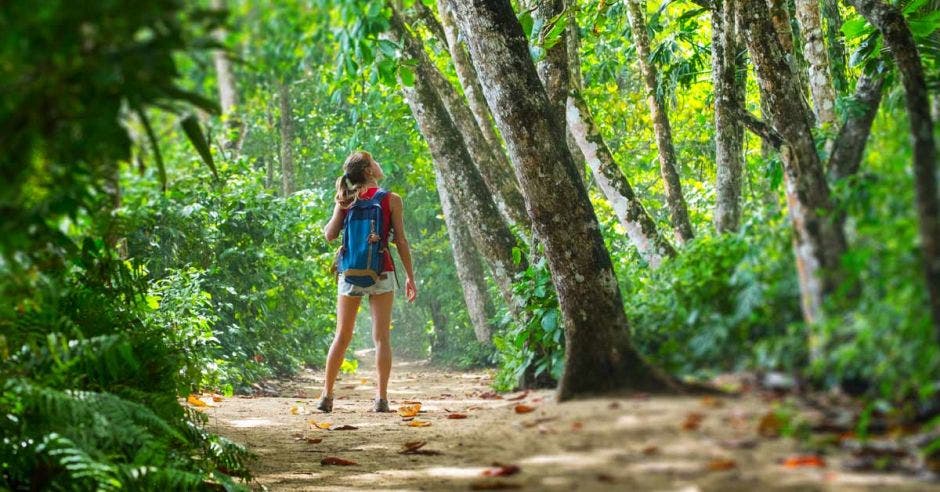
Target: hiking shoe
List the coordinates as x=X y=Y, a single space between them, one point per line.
x=326 y=404
x=380 y=405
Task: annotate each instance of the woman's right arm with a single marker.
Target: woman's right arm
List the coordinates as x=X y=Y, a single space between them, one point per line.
x=335 y=225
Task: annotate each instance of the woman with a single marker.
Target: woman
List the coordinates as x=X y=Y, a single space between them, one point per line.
x=361 y=180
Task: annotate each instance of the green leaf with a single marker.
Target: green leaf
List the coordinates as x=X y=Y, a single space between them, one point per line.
x=407 y=75
x=550 y=321
x=161 y=168
x=526 y=20
x=194 y=133
x=201 y=102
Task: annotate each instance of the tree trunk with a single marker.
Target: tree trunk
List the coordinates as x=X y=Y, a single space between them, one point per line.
x=729 y=133
x=575 y=81
x=600 y=357
x=819 y=242
x=814 y=50
x=228 y=94
x=468 y=265
x=640 y=227
x=667 y=152
x=287 y=139
x=849 y=146
x=900 y=43
x=496 y=173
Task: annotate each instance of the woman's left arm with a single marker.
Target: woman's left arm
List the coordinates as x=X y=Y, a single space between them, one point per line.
x=401 y=242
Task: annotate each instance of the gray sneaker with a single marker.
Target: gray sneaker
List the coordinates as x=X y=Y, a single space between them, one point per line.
x=380 y=405
x=326 y=404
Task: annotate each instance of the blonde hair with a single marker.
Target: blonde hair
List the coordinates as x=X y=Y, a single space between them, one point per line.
x=350 y=184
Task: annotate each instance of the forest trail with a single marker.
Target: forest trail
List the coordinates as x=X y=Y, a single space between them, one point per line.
x=637 y=443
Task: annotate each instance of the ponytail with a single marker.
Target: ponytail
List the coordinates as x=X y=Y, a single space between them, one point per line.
x=350 y=184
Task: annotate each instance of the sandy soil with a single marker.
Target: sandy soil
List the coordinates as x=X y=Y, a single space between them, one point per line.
x=637 y=443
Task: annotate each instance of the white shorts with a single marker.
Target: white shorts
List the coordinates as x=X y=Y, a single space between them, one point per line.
x=385 y=285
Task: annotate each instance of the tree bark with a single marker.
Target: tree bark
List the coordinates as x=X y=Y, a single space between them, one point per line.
x=849 y=146
x=814 y=50
x=496 y=173
x=899 y=41
x=667 y=152
x=467 y=262
x=600 y=357
x=575 y=80
x=729 y=133
x=819 y=241
x=287 y=139
x=228 y=93
x=640 y=227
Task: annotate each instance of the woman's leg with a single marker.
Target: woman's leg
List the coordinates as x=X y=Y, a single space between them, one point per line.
x=381 y=306
x=346 y=309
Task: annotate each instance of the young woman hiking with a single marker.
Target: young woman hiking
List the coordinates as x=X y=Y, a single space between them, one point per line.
x=360 y=181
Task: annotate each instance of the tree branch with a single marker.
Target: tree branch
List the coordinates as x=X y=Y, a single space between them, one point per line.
x=758 y=127
x=849 y=146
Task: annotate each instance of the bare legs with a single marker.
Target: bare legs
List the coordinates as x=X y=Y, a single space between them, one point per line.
x=346 y=309
x=381 y=306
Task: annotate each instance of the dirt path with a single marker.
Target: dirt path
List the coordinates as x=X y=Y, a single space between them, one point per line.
x=600 y=444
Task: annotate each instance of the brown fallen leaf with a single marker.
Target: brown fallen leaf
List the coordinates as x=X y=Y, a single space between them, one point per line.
x=540 y=420
x=457 y=416
x=711 y=402
x=800 y=461
x=722 y=464
x=310 y=440
x=495 y=485
x=346 y=427
x=501 y=470
x=195 y=401
x=333 y=460
x=519 y=396
x=412 y=446
x=489 y=395
x=409 y=410
x=348 y=386
x=411 y=402
x=415 y=447
x=650 y=450
x=418 y=423
x=576 y=426
x=603 y=477
x=744 y=443
x=614 y=405
x=521 y=408
x=692 y=421
x=769 y=425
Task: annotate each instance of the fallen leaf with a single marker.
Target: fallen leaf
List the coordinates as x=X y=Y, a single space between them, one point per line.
x=722 y=464
x=409 y=410
x=533 y=423
x=363 y=381
x=411 y=402
x=319 y=425
x=769 y=425
x=217 y=398
x=418 y=423
x=519 y=396
x=576 y=426
x=800 y=461
x=603 y=477
x=501 y=470
x=475 y=407
x=310 y=440
x=412 y=446
x=712 y=402
x=497 y=485
x=457 y=416
x=650 y=450
x=520 y=408
x=345 y=428
x=407 y=419
x=745 y=443
x=296 y=409
x=692 y=421
x=348 y=386
x=195 y=401
x=614 y=405
x=489 y=395
x=333 y=460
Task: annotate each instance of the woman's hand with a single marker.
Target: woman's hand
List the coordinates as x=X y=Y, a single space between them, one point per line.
x=411 y=292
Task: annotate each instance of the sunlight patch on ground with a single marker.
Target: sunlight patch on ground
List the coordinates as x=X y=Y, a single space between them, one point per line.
x=596 y=457
x=454 y=472
x=253 y=422
x=293 y=476
x=673 y=466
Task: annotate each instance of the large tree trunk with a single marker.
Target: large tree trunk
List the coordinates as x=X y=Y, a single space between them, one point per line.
x=287 y=139
x=678 y=211
x=729 y=133
x=496 y=172
x=849 y=146
x=600 y=357
x=900 y=43
x=814 y=50
x=467 y=262
x=640 y=227
x=228 y=94
x=575 y=82
x=819 y=242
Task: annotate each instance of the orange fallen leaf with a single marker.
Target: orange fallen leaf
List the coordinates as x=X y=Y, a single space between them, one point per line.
x=722 y=464
x=769 y=425
x=195 y=401
x=521 y=408
x=345 y=428
x=501 y=470
x=519 y=396
x=319 y=425
x=217 y=398
x=418 y=423
x=810 y=460
x=333 y=460
x=712 y=402
x=409 y=410
x=576 y=426
x=692 y=421
x=457 y=416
